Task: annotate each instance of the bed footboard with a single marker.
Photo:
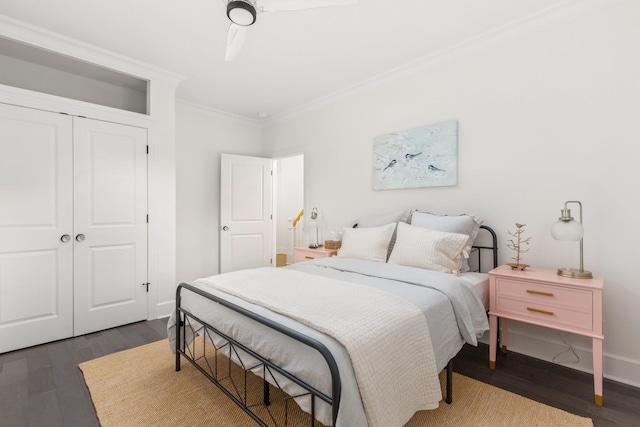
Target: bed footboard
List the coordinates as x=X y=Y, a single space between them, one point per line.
x=220 y=377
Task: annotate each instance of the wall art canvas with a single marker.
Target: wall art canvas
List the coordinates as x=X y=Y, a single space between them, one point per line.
x=421 y=157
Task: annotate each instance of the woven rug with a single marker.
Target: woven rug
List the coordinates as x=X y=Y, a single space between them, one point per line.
x=140 y=387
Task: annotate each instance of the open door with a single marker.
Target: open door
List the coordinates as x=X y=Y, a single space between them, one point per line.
x=246 y=230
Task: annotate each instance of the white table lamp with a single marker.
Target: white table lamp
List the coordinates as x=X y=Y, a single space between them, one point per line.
x=566 y=228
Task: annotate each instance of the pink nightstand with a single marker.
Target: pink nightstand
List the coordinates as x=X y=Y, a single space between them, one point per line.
x=305 y=254
x=541 y=297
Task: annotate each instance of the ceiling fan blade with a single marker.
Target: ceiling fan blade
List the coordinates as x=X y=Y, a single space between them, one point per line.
x=285 y=5
x=235 y=40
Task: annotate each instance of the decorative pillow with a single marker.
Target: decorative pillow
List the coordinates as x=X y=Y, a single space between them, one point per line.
x=370 y=243
x=462 y=224
x=380 y=220
x=430 y=249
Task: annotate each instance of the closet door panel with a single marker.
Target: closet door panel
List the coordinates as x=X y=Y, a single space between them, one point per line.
x=36 y=200
x=35 y=297
x=110 y=163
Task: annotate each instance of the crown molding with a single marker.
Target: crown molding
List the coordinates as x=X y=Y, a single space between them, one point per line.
x=44 y=39
x=219 y=114
x=554 y=15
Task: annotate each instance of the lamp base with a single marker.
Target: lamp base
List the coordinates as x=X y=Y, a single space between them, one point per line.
x=574 y=273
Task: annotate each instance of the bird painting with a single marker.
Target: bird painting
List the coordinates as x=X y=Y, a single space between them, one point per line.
x=421 y=157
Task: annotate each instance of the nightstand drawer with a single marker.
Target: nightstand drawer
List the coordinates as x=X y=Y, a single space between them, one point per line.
x=306 y=254
x=536 y=293
x=547 y=315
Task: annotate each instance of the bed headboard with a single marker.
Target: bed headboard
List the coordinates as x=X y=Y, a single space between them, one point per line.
x=486 y=241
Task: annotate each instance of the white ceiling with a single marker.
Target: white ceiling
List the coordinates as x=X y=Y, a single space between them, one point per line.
x=289 y=58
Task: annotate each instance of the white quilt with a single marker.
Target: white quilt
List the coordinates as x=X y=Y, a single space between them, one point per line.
x=372 y=325
x=450 y=304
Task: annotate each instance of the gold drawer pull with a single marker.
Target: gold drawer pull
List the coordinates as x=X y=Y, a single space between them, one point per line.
x=546 y=294
x=309 y=257
x=550 y=313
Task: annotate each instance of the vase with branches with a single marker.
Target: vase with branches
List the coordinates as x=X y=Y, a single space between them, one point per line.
x=516 y=244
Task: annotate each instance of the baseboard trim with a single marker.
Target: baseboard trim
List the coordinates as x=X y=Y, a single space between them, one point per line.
x=616 y=368
x=164 y=309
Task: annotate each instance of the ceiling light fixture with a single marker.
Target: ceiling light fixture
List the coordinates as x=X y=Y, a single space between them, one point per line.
x=241 y=13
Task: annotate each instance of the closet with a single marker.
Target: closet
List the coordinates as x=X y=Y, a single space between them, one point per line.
x=73 y=226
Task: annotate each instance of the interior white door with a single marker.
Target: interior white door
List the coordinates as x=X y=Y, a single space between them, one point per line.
x=110 y=225
x=36 y=191
x=246 y=227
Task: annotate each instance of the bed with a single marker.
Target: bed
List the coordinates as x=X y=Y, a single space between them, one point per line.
x=315 y=332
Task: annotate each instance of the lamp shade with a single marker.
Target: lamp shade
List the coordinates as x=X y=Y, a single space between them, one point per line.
x=567 y=230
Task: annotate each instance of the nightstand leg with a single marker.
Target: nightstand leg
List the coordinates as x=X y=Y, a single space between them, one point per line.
x=597 y=370
x=493 y=338
x=503 y=335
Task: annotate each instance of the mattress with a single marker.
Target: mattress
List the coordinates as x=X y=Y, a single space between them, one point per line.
x=480 y=282
x=453 y=308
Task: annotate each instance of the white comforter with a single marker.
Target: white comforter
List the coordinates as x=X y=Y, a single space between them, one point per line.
x=459 y=314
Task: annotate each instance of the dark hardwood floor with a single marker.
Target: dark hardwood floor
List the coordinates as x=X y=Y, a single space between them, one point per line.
x=42 y=385
x=552 y=384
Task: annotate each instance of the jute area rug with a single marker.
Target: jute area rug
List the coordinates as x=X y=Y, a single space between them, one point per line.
x=140 y=387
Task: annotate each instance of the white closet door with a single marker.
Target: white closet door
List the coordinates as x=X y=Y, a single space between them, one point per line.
x=36 y=266
x=110 y=164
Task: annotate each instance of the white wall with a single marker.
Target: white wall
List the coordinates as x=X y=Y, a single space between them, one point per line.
x=201 y=136
x=543 y=118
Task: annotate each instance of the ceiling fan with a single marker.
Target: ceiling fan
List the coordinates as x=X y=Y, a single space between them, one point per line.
x=242 y=14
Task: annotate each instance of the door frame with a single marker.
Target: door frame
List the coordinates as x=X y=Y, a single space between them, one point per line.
x=276 y=196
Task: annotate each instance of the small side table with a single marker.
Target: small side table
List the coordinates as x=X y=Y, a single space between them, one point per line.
x=543 y=298
x=301 y=254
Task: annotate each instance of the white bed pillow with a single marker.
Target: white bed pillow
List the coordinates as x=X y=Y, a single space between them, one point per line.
x=369 y=243
x=371 y=220
x=462 y=224
x=429 y=249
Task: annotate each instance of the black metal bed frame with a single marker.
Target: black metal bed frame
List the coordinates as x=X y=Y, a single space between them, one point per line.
x=215 y=371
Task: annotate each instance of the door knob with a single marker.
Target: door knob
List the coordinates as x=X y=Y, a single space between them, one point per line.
x=225 y=228
x=65 y=238
x=80 y=238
